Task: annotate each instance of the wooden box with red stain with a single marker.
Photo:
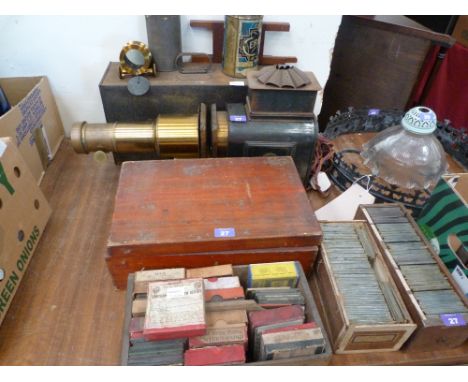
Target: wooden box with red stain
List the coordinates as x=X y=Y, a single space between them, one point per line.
x=202 y=212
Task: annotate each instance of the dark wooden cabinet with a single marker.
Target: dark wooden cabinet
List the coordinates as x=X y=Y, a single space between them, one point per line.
x=376 y=63
x=169 y=93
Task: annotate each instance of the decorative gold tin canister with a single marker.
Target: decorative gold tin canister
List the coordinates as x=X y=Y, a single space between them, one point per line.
x=241 y=44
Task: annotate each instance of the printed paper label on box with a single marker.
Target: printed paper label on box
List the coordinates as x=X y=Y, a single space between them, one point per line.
x=221 y=283
x=175 y=303
x=32 y=110
x=224 y=232
x=175 y=292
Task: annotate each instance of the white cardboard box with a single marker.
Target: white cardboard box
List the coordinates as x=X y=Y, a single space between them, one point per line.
x=33 y=122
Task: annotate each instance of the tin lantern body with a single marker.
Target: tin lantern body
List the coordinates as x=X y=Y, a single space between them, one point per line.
x=241 y=44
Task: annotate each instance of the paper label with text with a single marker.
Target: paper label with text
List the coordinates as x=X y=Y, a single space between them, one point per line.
x=175 y=303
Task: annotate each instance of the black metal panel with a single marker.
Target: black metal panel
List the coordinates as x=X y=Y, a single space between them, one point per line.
x=276 y=138
x=264 y=102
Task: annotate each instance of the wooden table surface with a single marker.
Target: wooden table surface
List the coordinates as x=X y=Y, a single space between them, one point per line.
x=67 y=312
x=355 y=141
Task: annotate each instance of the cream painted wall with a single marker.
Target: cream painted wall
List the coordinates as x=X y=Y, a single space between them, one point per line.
x=73 y=51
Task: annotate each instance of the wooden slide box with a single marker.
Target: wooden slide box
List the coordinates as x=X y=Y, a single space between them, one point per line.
x=431 y=334
x=201 y=212
x=311 y=313
x=33 y=121
x=349 y=338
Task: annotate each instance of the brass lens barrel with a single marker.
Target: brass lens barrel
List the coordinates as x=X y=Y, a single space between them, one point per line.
x=177 y=136
x=170 y=136
x=219 y=132
x=134 y=137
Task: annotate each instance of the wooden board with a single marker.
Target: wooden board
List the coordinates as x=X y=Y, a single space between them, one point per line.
x=66 y=310
x=167 y=208
x=311 y=313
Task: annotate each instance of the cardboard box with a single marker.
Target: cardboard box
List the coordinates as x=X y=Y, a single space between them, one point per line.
x=24 y=213
x=444 y=221
x=33 y=122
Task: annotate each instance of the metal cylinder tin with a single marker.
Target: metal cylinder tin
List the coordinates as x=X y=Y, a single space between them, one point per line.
x=241 y=47
x=170 y=136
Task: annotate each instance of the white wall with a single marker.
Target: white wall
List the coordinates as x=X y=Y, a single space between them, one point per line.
x=73 y=51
